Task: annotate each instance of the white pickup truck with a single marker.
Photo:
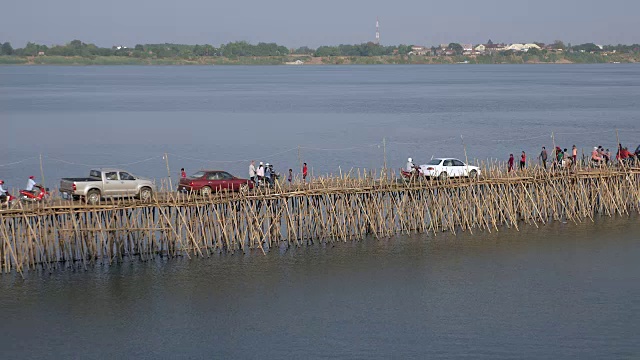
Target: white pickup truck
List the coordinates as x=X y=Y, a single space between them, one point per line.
x=106 y=183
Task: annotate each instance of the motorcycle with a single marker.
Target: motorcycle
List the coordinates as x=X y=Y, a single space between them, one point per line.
x=7 y=201
x=35 y=196
x=409 y=175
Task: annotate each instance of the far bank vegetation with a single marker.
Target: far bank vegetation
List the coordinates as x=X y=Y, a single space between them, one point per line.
x=243 y=53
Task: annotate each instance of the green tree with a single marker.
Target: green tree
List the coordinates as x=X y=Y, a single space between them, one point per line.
x=327 y=51
x=76 y=44
x=587 y=47
x=457 y=48
x=533 y=51
x=559 y=45
x=304 y=50
x=7 y=49
x=138 y=47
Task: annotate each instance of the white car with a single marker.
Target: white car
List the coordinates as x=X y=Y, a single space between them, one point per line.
x=448 y=167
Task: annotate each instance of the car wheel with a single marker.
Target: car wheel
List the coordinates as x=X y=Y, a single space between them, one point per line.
x=145 y=194
x=443 y=175
x=473 y=174
x=93 y=197
x=206 y=191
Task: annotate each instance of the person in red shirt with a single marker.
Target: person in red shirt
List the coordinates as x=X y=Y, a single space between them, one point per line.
x=304 y=172
x=523 y=160
x=511 y=160
x=183 y=174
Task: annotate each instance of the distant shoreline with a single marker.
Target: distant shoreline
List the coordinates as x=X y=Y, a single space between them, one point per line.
x=328 y=60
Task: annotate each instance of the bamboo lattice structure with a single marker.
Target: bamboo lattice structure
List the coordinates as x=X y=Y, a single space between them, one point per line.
x=347 y=207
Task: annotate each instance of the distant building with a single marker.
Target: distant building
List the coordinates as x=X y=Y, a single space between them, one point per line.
x=40 y=53
x=419 y=50
x=522 y=47
x=467 y=47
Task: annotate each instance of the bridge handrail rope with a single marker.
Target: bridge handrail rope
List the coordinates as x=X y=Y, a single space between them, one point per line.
x=227 y=161
x=19 y=161
x=341 y=149
x=475 y=141
x=429 y=142
x=102 y=166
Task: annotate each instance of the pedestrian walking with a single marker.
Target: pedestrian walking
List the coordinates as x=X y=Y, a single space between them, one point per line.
x=290 y=177
x=260 y=173
x=183 y=174
x=543 y=157
x=252 y=171
x=523 y=160
x=574 y=154
x=304 y=172
x=510 y=163
x=559 y=156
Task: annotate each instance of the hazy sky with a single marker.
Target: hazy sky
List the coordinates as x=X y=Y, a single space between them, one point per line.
x=313 y=23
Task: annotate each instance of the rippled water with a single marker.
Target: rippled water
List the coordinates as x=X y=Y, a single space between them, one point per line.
x=560 y=291
x=220 y=117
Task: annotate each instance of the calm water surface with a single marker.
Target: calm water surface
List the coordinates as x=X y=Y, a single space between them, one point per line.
x=561 y=291
x=220 y=117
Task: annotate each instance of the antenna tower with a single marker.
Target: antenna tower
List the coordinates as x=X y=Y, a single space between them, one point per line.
x=377 y=31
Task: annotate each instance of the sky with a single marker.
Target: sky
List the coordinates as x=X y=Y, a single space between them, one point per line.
x=295 y=23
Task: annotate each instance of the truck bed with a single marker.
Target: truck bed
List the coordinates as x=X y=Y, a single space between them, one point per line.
x=81 y=179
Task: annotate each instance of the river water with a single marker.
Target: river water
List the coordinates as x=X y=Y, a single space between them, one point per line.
x=560 y=291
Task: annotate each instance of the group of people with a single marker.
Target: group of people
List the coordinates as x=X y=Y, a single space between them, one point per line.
x=265 y=175
x=564 y=158
x=4 y=195
x=559 y=158
x=523 y=161
x=625 y=156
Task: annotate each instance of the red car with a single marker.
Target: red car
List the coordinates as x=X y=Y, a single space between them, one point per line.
x=208 y=181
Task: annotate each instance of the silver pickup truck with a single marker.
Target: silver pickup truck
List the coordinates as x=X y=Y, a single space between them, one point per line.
x=106 y=183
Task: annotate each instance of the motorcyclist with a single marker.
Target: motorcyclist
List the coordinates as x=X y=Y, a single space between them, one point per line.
x=410 y=166
x=4 y=196
x=31 y=183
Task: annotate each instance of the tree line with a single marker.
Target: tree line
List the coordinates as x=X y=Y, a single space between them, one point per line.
x=243 y=48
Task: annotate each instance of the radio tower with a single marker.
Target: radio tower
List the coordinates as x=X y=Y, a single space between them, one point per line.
x=377 y=31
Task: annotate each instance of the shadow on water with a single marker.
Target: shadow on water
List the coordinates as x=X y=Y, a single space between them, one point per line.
x=561 y=291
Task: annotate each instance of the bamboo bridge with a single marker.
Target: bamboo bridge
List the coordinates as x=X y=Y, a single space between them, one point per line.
x=333 y=209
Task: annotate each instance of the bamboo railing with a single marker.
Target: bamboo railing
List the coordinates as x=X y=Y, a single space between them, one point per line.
x=345 y=207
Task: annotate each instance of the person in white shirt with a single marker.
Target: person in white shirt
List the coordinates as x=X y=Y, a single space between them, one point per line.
x=410 y=166
x=260 y=172
x=30 y=183
x=4 y=199
x=252 y=171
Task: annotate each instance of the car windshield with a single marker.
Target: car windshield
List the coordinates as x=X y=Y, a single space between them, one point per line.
x=198 y=175
x=434 y=162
